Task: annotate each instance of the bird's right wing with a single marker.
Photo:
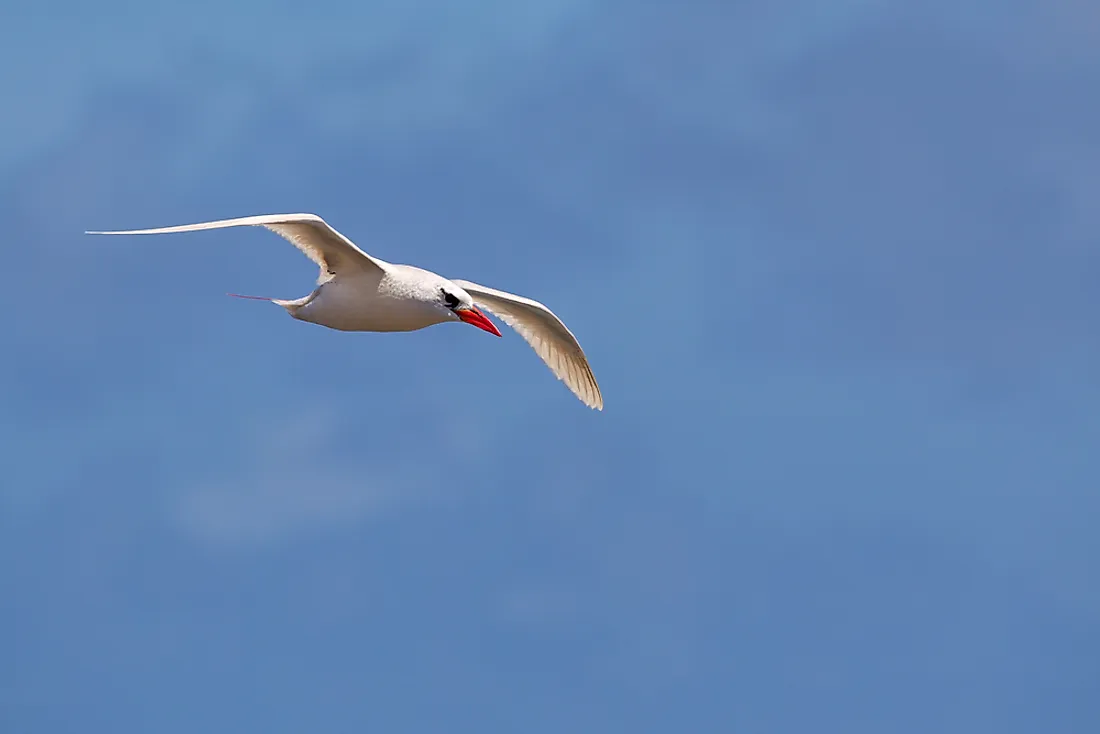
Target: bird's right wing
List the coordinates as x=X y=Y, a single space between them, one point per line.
x=332 y=251
x=547 y=335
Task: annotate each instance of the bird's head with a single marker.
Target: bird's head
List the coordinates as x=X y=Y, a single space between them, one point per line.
x=459 y=303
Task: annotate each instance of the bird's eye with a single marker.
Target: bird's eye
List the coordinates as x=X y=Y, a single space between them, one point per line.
x=450 y=299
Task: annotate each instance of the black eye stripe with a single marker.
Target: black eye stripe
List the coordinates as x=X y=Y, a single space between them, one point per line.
x=450 y=299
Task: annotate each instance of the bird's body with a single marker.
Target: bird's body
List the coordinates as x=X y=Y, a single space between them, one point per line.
x=358 y=292
x=367 y=302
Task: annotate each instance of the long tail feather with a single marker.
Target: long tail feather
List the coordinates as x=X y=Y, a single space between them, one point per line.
x=251 y=298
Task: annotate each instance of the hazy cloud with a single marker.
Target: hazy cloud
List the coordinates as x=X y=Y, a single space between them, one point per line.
x=288 y=480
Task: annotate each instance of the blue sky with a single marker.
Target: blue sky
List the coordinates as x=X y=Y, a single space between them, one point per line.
x=834 y=266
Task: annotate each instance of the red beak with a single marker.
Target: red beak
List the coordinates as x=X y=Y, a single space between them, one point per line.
x=476 y=318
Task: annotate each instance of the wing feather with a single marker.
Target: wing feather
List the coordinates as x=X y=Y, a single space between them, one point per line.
x=546 y=334
x=320 y=242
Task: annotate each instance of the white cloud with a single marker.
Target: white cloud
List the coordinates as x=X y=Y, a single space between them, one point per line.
x=537 y=605
x=287 y=485
x=267 y=503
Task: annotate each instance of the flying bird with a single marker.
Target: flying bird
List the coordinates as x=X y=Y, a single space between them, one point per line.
x=358 y=292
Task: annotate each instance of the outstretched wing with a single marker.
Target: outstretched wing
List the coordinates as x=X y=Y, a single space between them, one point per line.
x=332 y=251
x=546 y=334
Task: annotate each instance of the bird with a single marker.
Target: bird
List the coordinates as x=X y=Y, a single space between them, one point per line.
x=357 y=292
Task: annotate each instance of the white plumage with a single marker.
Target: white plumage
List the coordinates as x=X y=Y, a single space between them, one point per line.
x=357 y=292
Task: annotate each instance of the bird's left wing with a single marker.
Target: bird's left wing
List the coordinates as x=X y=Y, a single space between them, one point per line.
x=546 y=334
x=316 y=238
